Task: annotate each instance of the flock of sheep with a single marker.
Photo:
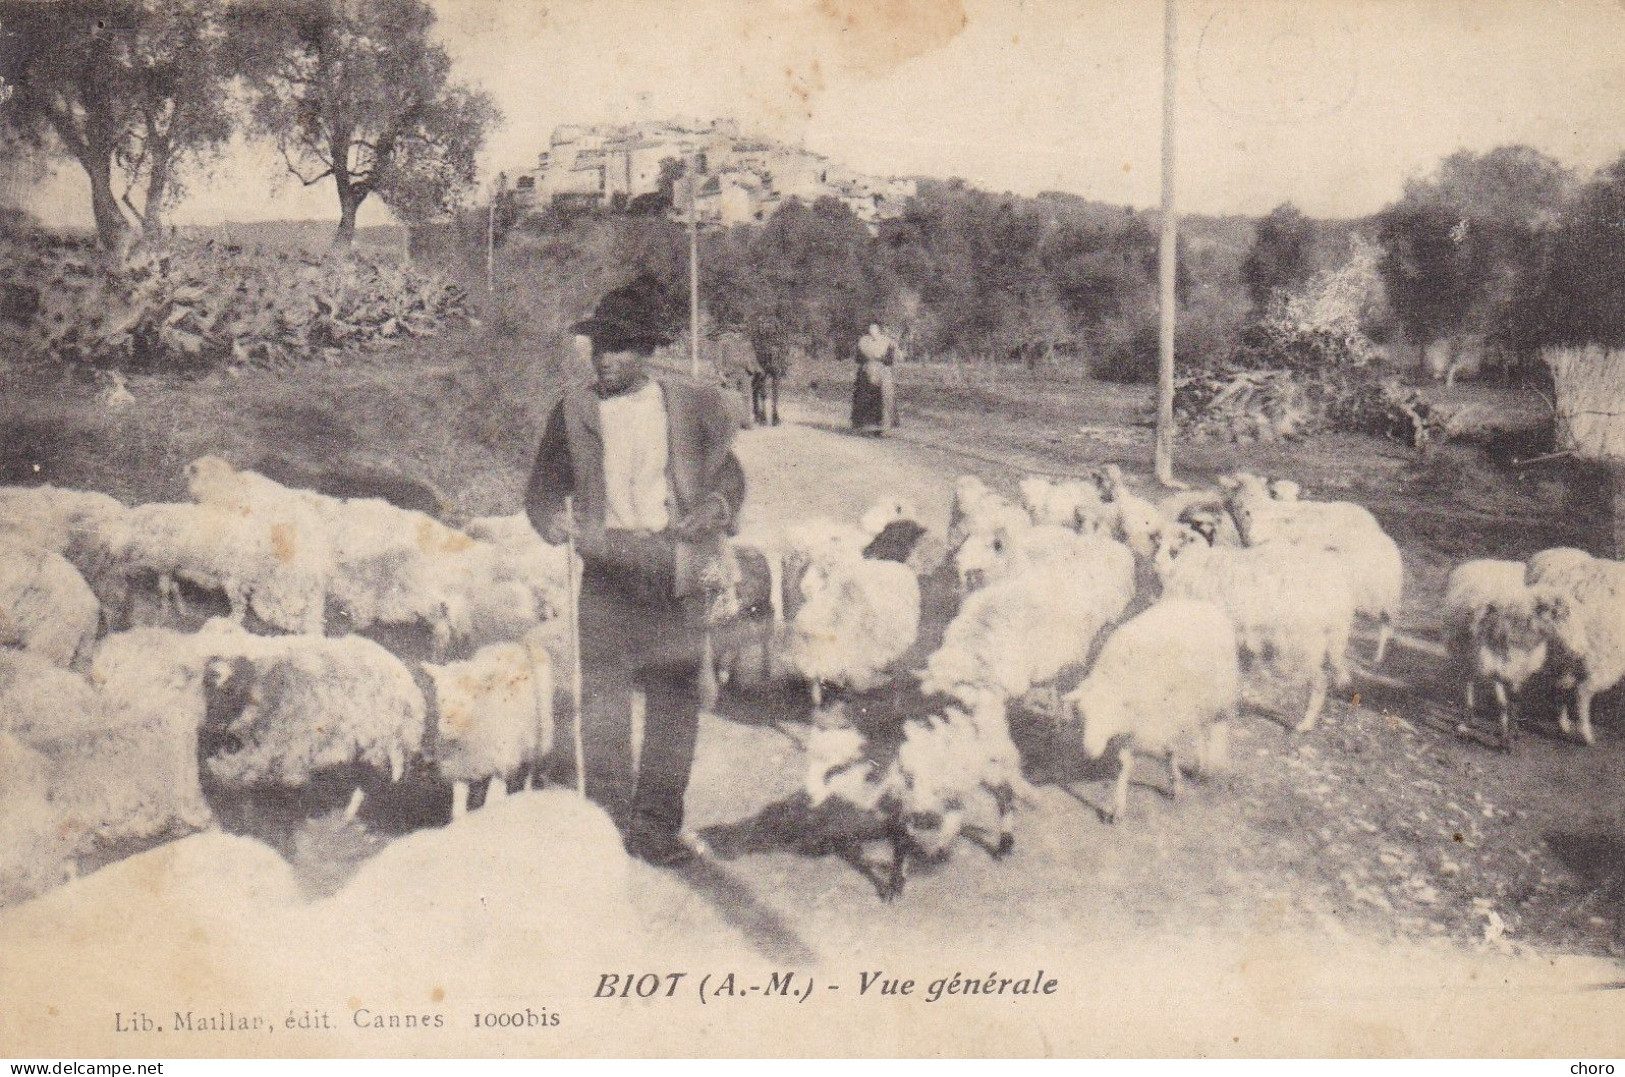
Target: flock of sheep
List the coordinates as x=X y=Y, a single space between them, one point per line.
x=120 y=699
x=114 y=694
x=1167 y=607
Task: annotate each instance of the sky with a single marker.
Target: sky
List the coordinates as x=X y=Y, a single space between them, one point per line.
x=1329 y=104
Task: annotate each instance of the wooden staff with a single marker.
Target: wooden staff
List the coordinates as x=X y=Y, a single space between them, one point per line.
x=575 y=644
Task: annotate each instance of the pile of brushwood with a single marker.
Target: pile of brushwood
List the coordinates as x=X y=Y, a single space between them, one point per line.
x=1287 y=380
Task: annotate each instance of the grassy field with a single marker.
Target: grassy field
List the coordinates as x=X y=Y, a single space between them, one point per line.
x=385 y=241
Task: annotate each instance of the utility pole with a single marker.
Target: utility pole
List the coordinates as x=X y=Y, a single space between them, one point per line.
x=693 y=272
x=1164 y=452
x=499 y=187
x=491 y=245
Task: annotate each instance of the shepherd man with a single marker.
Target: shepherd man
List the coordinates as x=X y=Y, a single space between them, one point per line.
x=647 y=462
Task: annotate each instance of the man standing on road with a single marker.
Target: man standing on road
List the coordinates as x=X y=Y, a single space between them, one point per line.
x=648 y=461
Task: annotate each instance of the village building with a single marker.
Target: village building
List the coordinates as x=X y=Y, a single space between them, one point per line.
x=736 y=179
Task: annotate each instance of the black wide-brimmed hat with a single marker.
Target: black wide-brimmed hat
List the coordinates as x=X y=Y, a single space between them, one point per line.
x=640 y=316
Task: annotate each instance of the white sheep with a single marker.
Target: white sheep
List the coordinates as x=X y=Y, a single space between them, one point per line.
x=1267 y=512
x=1581 y=606
x=770 y=567
x=34 y=855
x=820 y=541
x=1102 y=504
x=973 y=505
x=282 y=708
x=1070 y=503
x=1022 y=632
x=75 y=524
x=1471 y=587
x=212 y=481
x=522 y=555
x=857 y=617
x=787 y=553
x=39 y=699
x=1006 y=551
x=495 y=598
x=394 y=566
x=514 y=530
x=493 y=716
x=803 y=544
x=1481 y=652
x=121 y=750
x=921 y=782
x=51 y=517
x=46 y=607
x=1136 y=523
x=299 y=535
x=1286 y=603
x=250 y=558
x=1267 y=509
x=1165 y=679
x=983 y=530
x=469 y=592
x=145 y=778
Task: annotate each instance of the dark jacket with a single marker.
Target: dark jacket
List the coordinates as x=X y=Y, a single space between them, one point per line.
x=707 y=484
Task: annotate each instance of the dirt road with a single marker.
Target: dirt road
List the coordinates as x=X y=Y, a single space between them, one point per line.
x=1384 y=823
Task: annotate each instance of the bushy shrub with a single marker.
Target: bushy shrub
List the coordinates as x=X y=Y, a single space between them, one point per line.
x=197 y=306
x=1205 y=337
x=1127 y=354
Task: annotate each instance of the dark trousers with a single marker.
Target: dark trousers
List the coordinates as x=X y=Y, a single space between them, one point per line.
x=632 y=639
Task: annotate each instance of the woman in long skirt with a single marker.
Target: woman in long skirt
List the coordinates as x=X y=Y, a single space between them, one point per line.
x=869 y=389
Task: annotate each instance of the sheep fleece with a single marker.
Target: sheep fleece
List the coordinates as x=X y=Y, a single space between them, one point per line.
x=45 y=605
x=1164 y=675
x=322 y=703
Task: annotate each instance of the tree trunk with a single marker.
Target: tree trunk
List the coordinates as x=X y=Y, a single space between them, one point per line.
x=351 y=196
x=152 y=217
x=110 y=221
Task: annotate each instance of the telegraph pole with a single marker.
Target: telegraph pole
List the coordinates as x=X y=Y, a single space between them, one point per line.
x=491 y=246
x=498 y=189
x=1164 y=452
x=693 y=273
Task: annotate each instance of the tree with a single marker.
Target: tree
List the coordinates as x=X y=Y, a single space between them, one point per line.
x=1282 y=254
x=1574 y=288
x=1455 y=245
x=817 y=284
x=1430 y=273
x=357 y=91
x=182 y=68
x=133 y=90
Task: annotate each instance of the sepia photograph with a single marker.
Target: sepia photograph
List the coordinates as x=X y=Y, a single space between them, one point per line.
x=812 y=528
